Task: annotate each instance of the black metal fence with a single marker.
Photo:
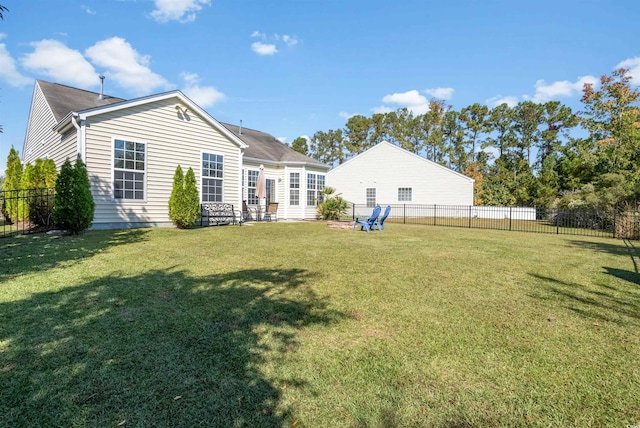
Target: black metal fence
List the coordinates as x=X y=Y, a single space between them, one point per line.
x=617 y=223
x=25 y=211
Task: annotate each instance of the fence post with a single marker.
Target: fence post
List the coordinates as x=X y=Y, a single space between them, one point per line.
x=435 y=208
x=470 y=216
x=510 y=217
x=404 y=213
x=353 y=212
x=557 y=222
x=615 y=211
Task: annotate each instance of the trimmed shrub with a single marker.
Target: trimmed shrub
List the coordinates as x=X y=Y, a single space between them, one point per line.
x=184 y=203
x=38 y=180
x=14 y=207
x=74 y=206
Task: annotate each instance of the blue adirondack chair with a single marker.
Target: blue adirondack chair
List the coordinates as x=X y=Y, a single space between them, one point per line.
x=367 y=222
x=380 y=222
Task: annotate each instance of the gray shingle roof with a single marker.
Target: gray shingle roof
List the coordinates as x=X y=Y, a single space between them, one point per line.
x=64 y=99
x=267 y=147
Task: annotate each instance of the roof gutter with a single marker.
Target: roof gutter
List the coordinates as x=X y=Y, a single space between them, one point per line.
x=288 y=163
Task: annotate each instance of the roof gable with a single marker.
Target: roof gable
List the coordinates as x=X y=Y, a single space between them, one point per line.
x=64 y=99
x=385 y=145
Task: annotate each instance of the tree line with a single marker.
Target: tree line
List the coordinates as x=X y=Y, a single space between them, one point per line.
x=525 y=155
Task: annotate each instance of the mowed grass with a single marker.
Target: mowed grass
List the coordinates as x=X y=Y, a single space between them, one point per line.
x=301 y=325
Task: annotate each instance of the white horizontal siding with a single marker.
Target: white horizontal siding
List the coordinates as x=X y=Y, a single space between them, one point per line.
x=170 y=141
x=386 y=168
x=41 y=141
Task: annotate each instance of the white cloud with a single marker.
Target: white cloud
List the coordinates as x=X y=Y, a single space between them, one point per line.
x=382 y=109
x=440 y=93
x=563 y=88
x=412 y=100
x=63 y=64
x=289 y=40
x=126 y=66
x=87 y=10
x=177 y=10
x=633 y=64
x=263 y=48
x=282 y=139
x=8 y=71
x=204 y=96
x=511 y=101
x=268 y=48
x=346 y=115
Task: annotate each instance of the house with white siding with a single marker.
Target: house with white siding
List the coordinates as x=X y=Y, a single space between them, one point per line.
x=387 y=174
x=131 y=149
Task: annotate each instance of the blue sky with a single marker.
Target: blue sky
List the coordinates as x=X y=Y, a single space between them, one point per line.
x=294 y=67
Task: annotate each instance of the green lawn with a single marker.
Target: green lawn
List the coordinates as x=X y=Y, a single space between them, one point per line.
x=301 y=325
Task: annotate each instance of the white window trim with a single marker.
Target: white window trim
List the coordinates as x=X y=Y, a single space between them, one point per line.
x=113 y=170
x=202 y=177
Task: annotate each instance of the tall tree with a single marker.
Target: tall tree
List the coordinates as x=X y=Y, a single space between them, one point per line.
x=379 y=130
x=527 y=117
x=453 y=134
x=557 y=119
x=328 y=147
x=500 y=120
x=432 y=130
x=612 y=118
x=405 y=131
x=300 y=145
x=356 y=133
x=475 y=122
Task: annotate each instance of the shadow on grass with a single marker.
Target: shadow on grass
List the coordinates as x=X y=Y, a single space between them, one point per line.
x=600 y=302
x=23 y=254
x=159 y=349
x=625 y=247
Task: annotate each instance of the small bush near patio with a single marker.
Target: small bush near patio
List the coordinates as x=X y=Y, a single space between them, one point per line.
x=74 y=207
x=184 y=203
x=333 y=207
x=301 y=325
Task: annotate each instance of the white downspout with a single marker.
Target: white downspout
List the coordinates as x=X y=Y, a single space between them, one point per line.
x=79 y=136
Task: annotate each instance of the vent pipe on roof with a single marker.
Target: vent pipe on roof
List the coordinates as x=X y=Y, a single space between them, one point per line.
x=101 y=96
x=240 y=126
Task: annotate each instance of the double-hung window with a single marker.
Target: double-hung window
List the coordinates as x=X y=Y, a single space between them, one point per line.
x=311 y=189
x=321 y=179
x=129 y=169
x=294 y=188
x=212 y=177
x=252 y=183
x=315 y=184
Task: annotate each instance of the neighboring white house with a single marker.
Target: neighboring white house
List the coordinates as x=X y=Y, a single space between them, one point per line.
x=132 y=147
x=387 y=174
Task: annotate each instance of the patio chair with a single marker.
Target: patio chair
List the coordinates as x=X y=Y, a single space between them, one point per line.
x=380 y=222
x=272 y=212
x=245 y=215
x=366 y=223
